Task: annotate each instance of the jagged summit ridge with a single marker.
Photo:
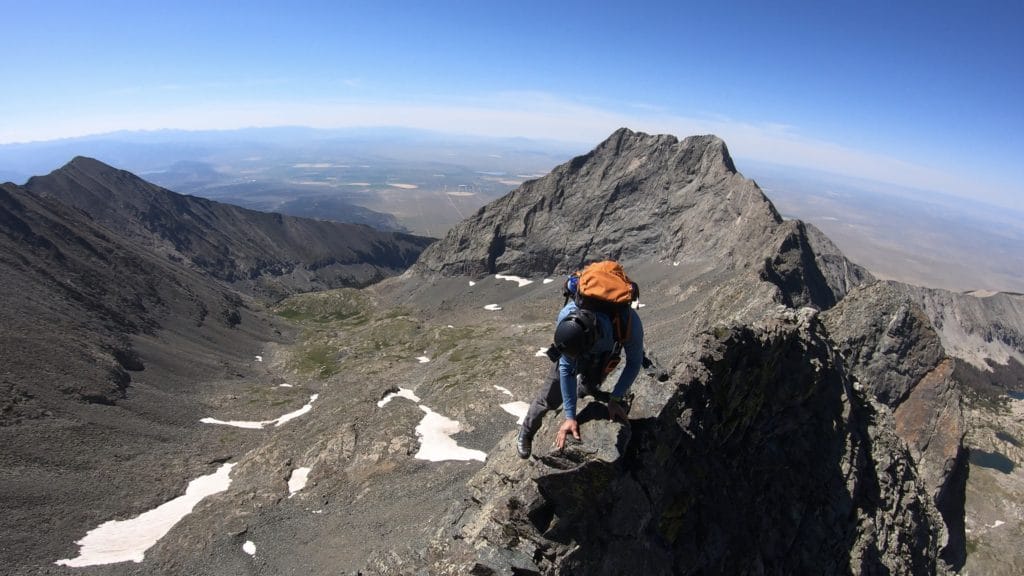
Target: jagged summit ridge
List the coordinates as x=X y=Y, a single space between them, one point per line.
x=635 y=195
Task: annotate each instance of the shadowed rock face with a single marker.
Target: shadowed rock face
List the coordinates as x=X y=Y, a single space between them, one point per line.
x=763 y=459
x=889 y=345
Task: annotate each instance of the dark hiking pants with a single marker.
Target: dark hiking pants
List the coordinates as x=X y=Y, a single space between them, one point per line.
x=549 y=397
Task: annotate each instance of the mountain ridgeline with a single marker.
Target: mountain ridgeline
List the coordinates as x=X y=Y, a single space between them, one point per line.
x=726 y=459
x=637 y=197
x=265 y=254
x=797 y=416
x=127 y=307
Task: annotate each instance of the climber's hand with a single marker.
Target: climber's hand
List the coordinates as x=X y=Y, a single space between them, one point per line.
x=569 y=426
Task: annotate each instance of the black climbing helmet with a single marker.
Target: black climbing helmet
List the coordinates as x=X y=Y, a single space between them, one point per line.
x=576 y=333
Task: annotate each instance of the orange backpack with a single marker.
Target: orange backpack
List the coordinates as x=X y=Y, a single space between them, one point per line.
x=604 y=287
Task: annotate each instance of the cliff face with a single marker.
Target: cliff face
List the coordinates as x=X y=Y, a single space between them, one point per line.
x=761 y=415
x=765 y=456
x=643 y=197
x=602 y=205
x=889 y=345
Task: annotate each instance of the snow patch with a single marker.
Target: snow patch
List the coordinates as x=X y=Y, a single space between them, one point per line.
x=259 y=358
x=542 y=352
x=995 y=524
x=471 y=283
x=503 y=390
x=492 y=307
x=402 y=393
x=127 y=540
x=284 y=386
x=249 y=548
x=299 y=412
x=436 y=443
x=517 y=409
x=263 y=423
x=423 y=359
x=521 y=281
x=548 y=280
x=297 y=480
x=237 y=423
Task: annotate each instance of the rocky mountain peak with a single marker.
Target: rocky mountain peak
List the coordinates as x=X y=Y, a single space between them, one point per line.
x=260 y=253
x=634 y=195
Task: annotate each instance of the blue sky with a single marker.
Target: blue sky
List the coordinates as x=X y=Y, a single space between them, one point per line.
x=924 y=94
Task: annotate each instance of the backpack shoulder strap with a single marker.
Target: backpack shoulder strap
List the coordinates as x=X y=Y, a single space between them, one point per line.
x=622 y=324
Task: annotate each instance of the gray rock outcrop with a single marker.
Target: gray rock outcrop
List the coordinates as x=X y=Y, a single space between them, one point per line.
x=889 y=345
x=763 y=459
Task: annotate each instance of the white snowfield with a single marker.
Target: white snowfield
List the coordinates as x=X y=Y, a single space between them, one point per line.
x=263 y=423
x=517 y=409
x=297 y=480
x=402 y=393
x=521 y=281
x=435 y=431
x=436 y=443
x=492 y=307
x=128 y=540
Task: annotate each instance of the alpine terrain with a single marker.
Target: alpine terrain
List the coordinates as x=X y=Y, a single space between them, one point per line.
x=193 y=388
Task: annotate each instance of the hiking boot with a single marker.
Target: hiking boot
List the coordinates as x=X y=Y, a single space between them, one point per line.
x=524 y=444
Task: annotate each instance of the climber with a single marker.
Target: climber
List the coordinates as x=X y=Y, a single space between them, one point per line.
x=587 y=344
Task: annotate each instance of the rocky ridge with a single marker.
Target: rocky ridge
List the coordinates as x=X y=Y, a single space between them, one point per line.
x=800 y=416
x=742 y=261
x=764 y=457
x=113 y=342
x=265 y=254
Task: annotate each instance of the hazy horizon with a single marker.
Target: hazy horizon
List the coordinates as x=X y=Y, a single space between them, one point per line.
x=918 y=94
x=426 y=182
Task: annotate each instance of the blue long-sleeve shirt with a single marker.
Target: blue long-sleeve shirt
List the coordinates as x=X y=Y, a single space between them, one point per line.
x=633 y=348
